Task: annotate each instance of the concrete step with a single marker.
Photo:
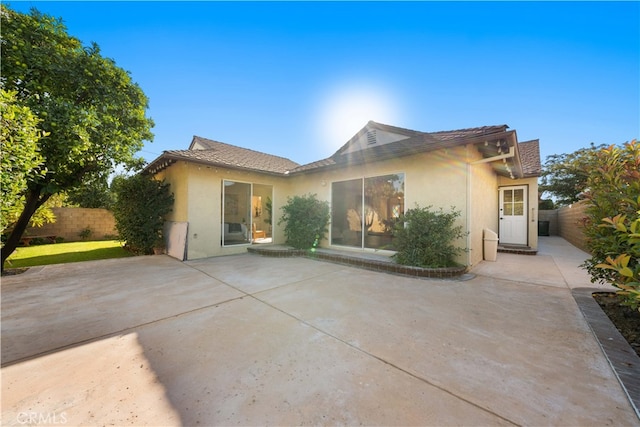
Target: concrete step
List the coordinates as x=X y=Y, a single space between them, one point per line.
x=517 y=249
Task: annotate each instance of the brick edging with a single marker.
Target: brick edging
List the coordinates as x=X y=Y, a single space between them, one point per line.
x=368 y=264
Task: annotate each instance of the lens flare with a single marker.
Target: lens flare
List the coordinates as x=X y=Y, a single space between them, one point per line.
x=347 y=108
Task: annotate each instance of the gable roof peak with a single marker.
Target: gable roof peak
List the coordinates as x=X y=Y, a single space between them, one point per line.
x=375 y=126
x=393 y=129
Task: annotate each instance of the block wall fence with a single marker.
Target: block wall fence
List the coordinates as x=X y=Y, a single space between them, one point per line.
x=71 y=221
x=566 y=222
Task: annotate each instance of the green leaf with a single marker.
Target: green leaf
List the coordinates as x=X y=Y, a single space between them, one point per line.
x=626 y=272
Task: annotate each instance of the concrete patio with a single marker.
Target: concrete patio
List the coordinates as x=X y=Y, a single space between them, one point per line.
x=251 y=340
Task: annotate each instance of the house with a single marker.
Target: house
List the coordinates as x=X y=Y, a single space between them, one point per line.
x=228 y=197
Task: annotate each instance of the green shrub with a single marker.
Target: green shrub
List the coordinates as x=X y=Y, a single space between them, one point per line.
x=39 y=241
x=139 y=210
x=424 y=238
x=612 y=226
x=85 y=233
x=306 y=219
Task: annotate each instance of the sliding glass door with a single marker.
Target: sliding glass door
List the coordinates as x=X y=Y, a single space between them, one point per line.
x=261 y=213
x=246 y=213
x=346 y=213
x=365 y=210
x=236 y=213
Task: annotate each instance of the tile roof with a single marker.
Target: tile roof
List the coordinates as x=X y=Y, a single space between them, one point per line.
x=416 y=142
x=530 y=158
x=217 y=153
x=477 y=132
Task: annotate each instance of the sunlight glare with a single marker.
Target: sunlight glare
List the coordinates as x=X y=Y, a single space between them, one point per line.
x=347 y=109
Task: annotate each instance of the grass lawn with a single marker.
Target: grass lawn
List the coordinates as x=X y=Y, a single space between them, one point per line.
x=60 y=253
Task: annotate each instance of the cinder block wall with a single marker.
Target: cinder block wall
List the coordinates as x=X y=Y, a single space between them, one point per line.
x=570 y=220
x=71 y=221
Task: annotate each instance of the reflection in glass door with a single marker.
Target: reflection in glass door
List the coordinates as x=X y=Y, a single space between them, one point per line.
x=383 y=205
x=261 y=214
x=246 y=213
x=236 y=213
x=346 y=216
x=364 y=211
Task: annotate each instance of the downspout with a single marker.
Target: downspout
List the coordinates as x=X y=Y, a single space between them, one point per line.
x=468 y=221
x=511 y=153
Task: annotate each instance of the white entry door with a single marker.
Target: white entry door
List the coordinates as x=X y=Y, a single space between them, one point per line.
x=513 y=215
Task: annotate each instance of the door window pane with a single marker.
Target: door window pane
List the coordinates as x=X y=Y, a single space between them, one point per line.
x=508 y=209
x=236 y=213
x=508 y=196
x=513 y=203
x=518 y=195
x=518 y=209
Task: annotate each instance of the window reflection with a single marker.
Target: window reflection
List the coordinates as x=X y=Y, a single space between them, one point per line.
x=364 y=211
x=236 y=215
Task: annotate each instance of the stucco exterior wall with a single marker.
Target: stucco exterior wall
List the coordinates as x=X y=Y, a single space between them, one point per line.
x=441 y=179
x=483 y=201
x=438 y=179
x=178 y=179
x=198 y=200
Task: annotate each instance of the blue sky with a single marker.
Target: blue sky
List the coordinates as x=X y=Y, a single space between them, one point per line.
x=298 y=79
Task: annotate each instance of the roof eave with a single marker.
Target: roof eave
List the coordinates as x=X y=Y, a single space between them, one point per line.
x=167 y=159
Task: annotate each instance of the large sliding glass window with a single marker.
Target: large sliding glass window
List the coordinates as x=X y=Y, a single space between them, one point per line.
x=346 y=213
x=364 y=211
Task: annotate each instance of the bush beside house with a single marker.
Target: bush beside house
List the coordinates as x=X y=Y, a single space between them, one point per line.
x=139 y=210
x=306 y=219
x=426 y=238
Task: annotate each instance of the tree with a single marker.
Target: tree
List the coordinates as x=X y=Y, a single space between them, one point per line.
x=564 y=176
x=19 y=135
x=613 y=220
x=139 y=210
x=93 y=112
x=95 y=193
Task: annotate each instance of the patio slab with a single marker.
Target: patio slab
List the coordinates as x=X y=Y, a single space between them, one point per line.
x=249 y=340
x=66 y=304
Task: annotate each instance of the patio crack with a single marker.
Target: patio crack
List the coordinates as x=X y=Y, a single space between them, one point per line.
x=358 y=349
x=386 y=362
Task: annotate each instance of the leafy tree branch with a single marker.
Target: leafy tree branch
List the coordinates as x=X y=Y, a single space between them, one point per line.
x=90 y=109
